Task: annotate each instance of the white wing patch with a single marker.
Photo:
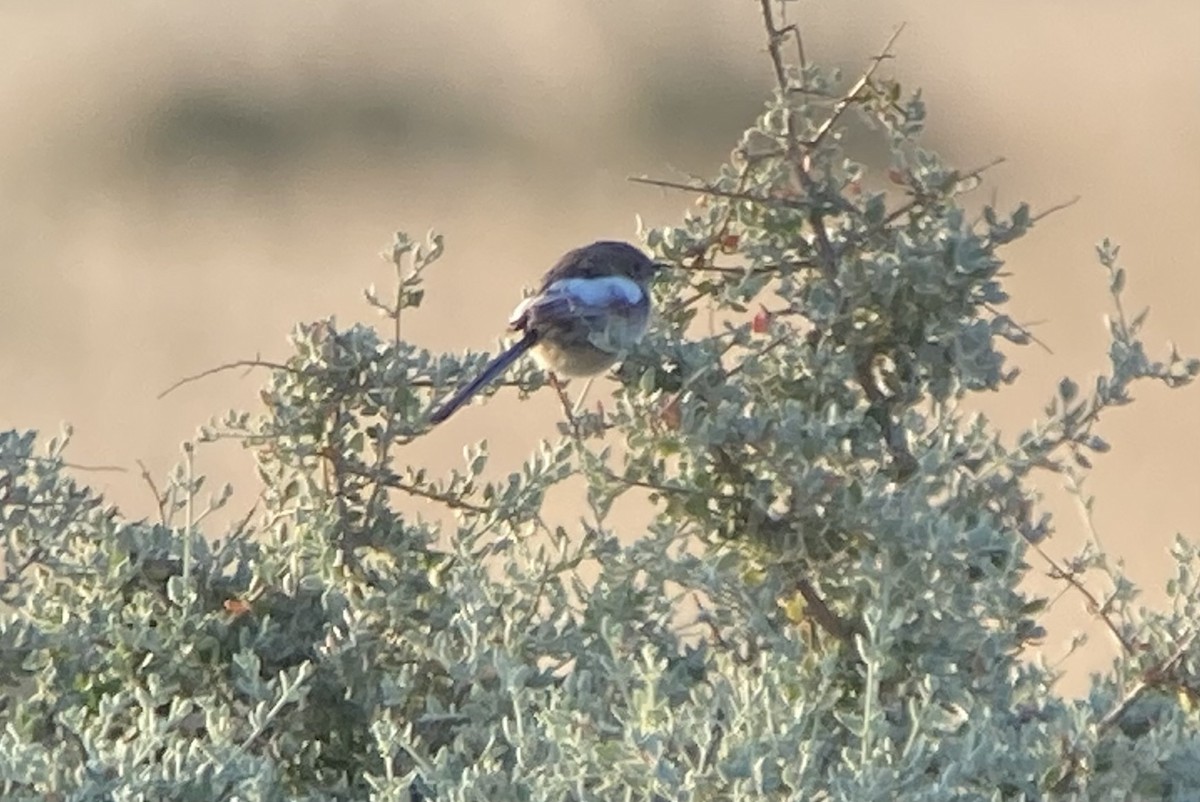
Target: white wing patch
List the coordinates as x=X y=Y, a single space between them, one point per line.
x=605 y=291
x=583 y=294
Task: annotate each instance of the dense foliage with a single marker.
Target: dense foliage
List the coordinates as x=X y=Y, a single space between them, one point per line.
x=826 y=604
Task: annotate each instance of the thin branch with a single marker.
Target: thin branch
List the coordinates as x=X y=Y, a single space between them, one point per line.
x=75 y=466
x=850 y=97
x=956 y=177
x=775 y=37
x=160 y=499
x=95 y=468
x=453 y=502
x=241 y=363
x=705 y=618
x=788 y=336
x=1058 y=207
x=1021 y=328
x=704 y=189
x=1094 y=605
x=794 y=30
x=240 y=529
x=825 y=250
x=819 y=611
x=665 y=490
x=568 y=408
x=1154 y=676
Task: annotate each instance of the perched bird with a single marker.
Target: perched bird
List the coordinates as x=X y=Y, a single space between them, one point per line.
x=592 y=306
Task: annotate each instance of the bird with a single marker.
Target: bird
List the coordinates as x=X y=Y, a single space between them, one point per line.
x=592 y=306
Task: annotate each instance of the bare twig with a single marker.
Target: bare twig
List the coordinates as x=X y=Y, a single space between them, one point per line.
x=775 y=37
x=705 y=189
x=245 y=520
x=1094 y=605
x=1058 y=207
x=75 y=466
x=241 y=363
x=160 y=499
x=1021 y=328
x=850 y=97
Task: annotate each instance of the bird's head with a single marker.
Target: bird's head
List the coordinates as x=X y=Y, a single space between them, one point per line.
x=605 y=258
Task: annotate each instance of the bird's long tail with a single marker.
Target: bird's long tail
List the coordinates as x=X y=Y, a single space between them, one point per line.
x=493 y=369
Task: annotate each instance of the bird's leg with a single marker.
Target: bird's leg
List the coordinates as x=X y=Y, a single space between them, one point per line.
x=561 y=389
x=583 y=395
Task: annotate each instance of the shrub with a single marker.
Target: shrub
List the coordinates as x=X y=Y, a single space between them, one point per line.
x=826 y=604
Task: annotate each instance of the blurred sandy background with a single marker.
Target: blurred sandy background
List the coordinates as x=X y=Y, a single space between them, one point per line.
x=180 y=183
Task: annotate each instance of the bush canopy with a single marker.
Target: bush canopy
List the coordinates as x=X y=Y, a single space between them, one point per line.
x=826 y=604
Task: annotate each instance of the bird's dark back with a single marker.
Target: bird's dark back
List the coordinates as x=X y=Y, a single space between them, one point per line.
x=604 y=258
